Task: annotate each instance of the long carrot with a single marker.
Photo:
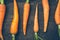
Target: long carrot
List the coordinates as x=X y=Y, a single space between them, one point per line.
x=25 y=15
x=57 y=16
x=2 y=14
x=14 y=25
x=36 y=23
x=46 y=13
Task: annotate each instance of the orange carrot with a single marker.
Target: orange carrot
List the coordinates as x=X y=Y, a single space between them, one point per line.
x=2 y=14
x=46 y=13
x=57 y=14
x=25 y=15
x=14 y=25
x=36 y=20
x=57 y=17
x=36 y=23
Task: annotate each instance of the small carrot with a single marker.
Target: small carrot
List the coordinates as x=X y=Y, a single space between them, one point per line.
x=14 y=25
x=25 y=15
x=36 y=23
x=2 y=14
x=46 y=13
x=57 y=16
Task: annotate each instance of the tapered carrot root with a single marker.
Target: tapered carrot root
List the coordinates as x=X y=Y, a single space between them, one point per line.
x=14 y=24
x=46 y=13
x=25 y=16
x=2 y=14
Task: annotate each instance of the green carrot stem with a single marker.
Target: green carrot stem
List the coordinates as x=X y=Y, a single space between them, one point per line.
x=59 y=30
x=2 y=1
x=27 y=1
x=13 y=37
x=36 y=36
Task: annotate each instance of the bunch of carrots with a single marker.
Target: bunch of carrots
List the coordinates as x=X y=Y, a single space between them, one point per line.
x=2 y=14
x=14 y=24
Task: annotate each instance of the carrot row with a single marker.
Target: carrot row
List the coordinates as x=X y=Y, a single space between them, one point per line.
x=15 y=20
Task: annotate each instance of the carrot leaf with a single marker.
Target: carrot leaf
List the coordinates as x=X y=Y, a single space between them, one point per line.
x=2 y=1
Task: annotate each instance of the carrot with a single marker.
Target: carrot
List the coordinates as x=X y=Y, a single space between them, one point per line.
x=14 y=25
x=36 y=20
x=2 y=14
x=36 y=23
x=57 y=13
x=46 y=13
x=57 y=17
x=25 y=15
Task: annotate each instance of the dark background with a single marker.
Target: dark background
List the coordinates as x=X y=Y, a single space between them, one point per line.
x=52 y=32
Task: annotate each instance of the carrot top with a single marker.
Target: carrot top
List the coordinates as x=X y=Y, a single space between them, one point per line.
x=1 y=1
x=27 y=1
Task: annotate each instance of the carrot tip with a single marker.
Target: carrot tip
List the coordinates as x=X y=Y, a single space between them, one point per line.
x=59 y=30
x=1 y=37
x=24 y=33
x=13 y=37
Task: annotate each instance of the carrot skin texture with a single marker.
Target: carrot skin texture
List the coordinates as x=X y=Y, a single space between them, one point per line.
x=46 y=13
x=14 y=25
x=25 y=16
x=2 y=14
